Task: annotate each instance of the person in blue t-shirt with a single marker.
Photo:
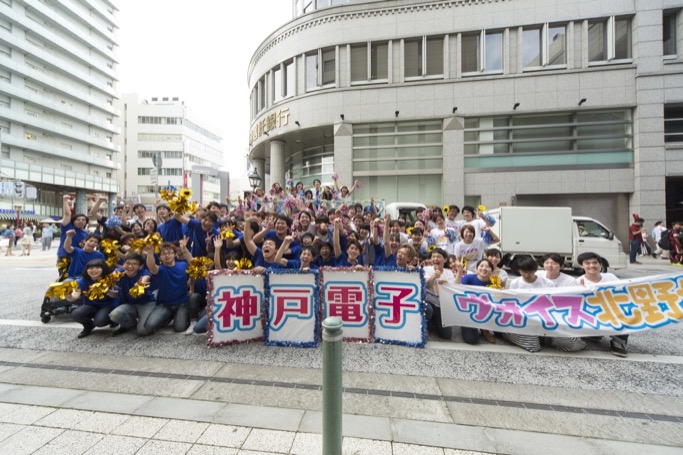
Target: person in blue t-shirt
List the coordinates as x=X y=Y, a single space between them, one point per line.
x=264 y=257
x=94 y=312
x=80 y=256
x=325 y=257
x=171 y=276
x=306 y=257
x=352 y=257
x=77 y=223
x=171 y=229
x=277 y=230
x=133 y=311
x=199 y=232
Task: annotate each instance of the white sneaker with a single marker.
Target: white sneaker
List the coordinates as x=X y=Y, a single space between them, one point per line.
x=190 y=329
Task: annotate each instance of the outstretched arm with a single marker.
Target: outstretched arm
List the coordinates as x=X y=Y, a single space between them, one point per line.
x=66 y=208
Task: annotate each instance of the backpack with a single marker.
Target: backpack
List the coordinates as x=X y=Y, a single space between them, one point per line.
x=18 y=233
x=664 y=242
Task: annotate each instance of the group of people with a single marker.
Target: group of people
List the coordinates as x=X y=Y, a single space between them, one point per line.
x=25 y=234
x=154 y=288
x=668 y=243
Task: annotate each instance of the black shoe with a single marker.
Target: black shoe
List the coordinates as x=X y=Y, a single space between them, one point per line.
x=594 y=339
x=86 y=331
x=119 y=331
x=617 y=347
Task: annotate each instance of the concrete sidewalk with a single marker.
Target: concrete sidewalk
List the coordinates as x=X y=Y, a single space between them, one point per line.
x=57 y=402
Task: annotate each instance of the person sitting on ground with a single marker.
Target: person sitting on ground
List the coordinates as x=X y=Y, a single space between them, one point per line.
x=93 y=312
x=133 y=311
x=435 y=275
x=591 y=263
x=171 y=276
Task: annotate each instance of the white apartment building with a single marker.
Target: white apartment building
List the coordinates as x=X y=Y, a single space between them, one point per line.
x=529 y=102
x=57 y=114
x=188 y=146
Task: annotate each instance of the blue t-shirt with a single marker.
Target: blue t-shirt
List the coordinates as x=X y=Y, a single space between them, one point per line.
x=107 y=301
x=259 y=261
x=75 y=240
x=332 y=262
x=198 y=237
x=172 y=284
x=171 y=230
x=472 y=280
x=343 y=260
x=79 y=259
x=126 y=283
x=293 y=247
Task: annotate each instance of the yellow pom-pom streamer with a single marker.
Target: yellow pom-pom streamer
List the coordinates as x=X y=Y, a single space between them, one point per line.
x=61 y=290
x=109 y=247
x=227 y=234
x=154 y=240
x=496 y=283
x=243 y=264
x=138 y=290
x=197 y=267
x=63 y=267
x=409 y=231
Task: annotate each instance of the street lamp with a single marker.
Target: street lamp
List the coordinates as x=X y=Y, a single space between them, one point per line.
x=254 y=179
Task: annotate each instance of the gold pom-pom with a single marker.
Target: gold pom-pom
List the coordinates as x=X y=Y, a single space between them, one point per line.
x=197 y=267
x=61 y=290
x=496 y=283
x=137 y=245
x=243 y=264
x=109 y=247
x=227 y=234
x=155 y=240
x=138 y=290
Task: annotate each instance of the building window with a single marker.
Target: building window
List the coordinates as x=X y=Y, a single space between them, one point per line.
x=423 y=57
x=290 y=79
x=277 y=84
x=143 y=170
x=310 y=164
x=669 y=34
x=609 y=40
x=478 y=58
x=262 y=93
x=544 y=46
x=551 y=140
x=369 y=62
x=673 y=123
x=320 y=68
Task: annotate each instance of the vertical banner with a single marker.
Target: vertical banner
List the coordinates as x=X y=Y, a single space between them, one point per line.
x=347 y=294
x=292 y=308
x=399 y=307
x=235 y=307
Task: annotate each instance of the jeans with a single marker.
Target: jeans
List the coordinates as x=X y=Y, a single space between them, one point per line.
x=92 y=316
x=434 y=316
x=128 y=315
x=202 y=325
x=196 y=303
x=635 y=249
x=163 y=313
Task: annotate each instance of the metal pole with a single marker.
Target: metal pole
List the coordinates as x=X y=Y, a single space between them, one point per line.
x=332 y=386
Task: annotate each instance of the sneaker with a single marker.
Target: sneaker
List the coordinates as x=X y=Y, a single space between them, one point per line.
x=617 y=347
x=86 y=331
x=594 y=339
x=636 y=262
x=119 y=331
x=190 y=329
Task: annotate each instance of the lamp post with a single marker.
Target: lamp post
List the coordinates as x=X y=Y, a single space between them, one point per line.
x=254 y=179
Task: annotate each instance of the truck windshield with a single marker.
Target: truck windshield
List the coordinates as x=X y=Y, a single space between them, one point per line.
x=588 y=228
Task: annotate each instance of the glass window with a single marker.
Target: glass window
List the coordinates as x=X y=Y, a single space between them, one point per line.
x=673 y=123
x=494 y=51
x=262 y=93
x=277 y=84
x=434 y=58
x=290 y=79
x=532 y=48
x=328 y=70
x=359 y=62
x=557 y=45
x=669 y=33
x=470 y=53
x=379 y=61
x=609 y=39
x=311 y=70
x=622 y=39
x=477 y=58
x=412 y=57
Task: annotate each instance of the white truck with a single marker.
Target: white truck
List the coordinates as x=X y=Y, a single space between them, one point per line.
x=537 y=231
x=405 y=210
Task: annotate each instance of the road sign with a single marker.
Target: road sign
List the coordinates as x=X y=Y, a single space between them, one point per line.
x=154 y=175
x=156 y=160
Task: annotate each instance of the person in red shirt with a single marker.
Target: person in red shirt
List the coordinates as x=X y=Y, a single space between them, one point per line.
x=635 y=238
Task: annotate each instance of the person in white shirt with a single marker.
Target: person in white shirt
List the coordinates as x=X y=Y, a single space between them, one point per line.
x=526 y=266
x=434 y=275
x=480 y=224
x=591 y=263
x=552 y=264
x=657 y=236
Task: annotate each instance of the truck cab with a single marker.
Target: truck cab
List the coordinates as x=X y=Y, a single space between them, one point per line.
x=591 y=235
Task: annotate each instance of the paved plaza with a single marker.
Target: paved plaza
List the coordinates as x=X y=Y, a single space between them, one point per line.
x=170 y=394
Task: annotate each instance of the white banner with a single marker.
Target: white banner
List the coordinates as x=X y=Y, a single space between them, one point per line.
x=235 y=307
x=399 y=307
x=613 y=308
x=346 y=294
x=292 y=315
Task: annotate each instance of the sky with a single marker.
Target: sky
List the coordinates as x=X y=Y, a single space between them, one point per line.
x=200 y=52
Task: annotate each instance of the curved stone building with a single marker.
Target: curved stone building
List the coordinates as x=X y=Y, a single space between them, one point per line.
x=527 y=102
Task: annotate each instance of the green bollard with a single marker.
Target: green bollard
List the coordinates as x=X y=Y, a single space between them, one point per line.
x=332 y=386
